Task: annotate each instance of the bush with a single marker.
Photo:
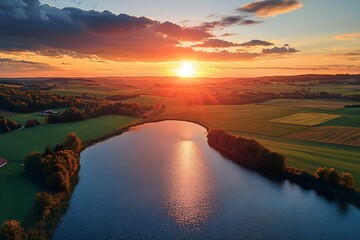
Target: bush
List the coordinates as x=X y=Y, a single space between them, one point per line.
x=12 y=230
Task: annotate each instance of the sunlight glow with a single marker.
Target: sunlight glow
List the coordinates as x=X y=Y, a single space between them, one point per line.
x=186 y=70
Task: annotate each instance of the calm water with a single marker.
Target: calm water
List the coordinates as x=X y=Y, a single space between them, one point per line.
x=163 y=181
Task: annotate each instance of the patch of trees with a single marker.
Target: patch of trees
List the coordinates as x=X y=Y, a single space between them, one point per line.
x=251 y=154
x=246 y=152
x=24 y=101
x=119 y=108
x=12 y=230
x=7 y=125
x=121 y=97
x=58 y=170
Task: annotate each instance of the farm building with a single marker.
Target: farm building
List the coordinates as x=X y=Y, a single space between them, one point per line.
x=3 y=162
x=48 y=112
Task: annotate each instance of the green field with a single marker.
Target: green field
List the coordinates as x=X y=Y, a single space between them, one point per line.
x=306 y=119
x=17 y=193
x=24 y=117
x=250 y=118
x=330 y=134
x=320 y=104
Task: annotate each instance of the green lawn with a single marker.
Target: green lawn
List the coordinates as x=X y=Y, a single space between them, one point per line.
x=17 y=194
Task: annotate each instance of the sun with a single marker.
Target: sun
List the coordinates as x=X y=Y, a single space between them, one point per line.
x=186 y=70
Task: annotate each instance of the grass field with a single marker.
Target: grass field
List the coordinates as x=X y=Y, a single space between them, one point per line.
x=330 y=134
x=306 y=119
x=320 y=104
x=24 y=117
x=350 y=118
x=17 y=193
x=153 y=100
x=249 y=118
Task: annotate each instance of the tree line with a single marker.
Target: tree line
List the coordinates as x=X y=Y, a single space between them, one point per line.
x=74 y=114
x=56 y=169
x=25 y=101
x=251 y=154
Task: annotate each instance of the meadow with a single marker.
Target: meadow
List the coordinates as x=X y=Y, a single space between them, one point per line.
x=15 y=189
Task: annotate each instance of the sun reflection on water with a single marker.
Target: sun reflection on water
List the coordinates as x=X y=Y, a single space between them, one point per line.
x=188 y=199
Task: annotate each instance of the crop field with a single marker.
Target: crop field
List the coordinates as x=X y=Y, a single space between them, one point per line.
x=311 y=155
x=311 y=103
x=153 y=100
x=249 y=118
x=350 y=118
x=338 y=135
x=306 y=119
x=15 y=146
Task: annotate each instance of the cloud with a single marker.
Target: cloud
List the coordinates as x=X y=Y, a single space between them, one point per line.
x=256 y=42
x=226 y=22
x=182 y=33
x=13 y=65
x=350 y=55
x=279 y=50
x=269 y=8
x=348 y=36
x=218 y=43
x=28 y=26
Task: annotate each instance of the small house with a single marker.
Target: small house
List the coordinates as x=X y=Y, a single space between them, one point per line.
x=3 y=162
x=48 y=112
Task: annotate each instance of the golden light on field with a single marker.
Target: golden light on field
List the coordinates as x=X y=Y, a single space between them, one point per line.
x=186 y=70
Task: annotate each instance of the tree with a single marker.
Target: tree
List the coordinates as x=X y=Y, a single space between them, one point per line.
x=12 y=230
x=72 y=143
x=347 y=180
x=327 y=175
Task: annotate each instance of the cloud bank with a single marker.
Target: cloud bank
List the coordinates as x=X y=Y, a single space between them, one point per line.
x=28 y=25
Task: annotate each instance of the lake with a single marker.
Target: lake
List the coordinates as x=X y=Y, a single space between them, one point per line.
x=162 y=181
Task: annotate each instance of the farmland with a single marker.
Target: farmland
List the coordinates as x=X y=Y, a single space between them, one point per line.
x=319 y=104
x=306 y=119
x=330 y=134
x=310 y=133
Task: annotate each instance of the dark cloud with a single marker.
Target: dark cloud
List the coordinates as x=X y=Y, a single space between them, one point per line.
x=218 y=43
x=182 y=33
x=13 y=65
x=256 y=42
x=226 y=22
x=268 y=8
x=250 y=22
x=279 y=50
x=27 y=25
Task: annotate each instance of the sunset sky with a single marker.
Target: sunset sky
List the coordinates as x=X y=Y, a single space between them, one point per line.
x=220 y=38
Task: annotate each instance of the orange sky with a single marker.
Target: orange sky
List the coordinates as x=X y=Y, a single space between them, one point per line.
x=255 y=39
